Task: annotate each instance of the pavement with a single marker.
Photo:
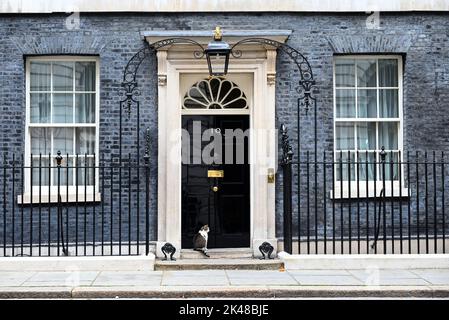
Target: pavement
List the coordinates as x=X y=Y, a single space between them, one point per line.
x=380 y=283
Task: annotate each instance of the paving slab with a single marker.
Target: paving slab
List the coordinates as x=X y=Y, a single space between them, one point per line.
x=13 y=278
x=431 y=272
x=49 y=276
x=338 y=280
x=128 y=278
x=245 y=278
x=61 y=279
x=195 y=277
x=435 y=280
x=319 y=272
x=384 y=273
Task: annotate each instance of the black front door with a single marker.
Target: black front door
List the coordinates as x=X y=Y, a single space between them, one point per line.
x=208 y=198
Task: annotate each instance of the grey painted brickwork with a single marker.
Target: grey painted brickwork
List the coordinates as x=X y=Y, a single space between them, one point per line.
x=422 y=38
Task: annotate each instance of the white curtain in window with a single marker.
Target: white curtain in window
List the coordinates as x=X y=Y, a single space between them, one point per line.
x=345 y=73
x=388 y=135
x=85 y=107
x=388 y=72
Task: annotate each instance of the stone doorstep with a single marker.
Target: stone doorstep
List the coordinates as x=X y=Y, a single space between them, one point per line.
x=237 y=253
x=228 y=292
x=219 y=264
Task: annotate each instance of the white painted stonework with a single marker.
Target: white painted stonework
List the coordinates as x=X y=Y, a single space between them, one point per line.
x=48 y=6
x=363 y=261
x=103 y=263
x=177 y=71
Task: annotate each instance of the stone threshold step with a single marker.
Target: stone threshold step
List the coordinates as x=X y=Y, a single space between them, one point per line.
x=220 y=264
x=225 y=253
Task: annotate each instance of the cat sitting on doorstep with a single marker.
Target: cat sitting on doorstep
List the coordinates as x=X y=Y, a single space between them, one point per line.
x=200 y=240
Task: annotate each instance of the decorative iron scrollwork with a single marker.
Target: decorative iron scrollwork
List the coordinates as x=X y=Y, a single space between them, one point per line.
x=266 y=249
x=168 y=249
x=129 y=86
x=287 y=152
x=306 y=82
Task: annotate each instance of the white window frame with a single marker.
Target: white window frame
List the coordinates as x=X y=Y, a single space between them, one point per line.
x=361 y=189
x=41 y=194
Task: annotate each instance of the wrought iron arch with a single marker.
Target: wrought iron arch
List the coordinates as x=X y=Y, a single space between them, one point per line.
x=130 y=88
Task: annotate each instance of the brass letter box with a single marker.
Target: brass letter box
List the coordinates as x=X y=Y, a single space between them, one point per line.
x=215 y=173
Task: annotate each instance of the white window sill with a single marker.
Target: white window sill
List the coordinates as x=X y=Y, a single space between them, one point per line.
x=342 y=190
x=45 y=199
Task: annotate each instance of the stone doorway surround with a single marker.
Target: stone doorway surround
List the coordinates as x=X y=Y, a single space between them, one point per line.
x=176 y=61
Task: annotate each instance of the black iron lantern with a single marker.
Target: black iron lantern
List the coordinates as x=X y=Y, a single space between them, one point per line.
x=217 y=55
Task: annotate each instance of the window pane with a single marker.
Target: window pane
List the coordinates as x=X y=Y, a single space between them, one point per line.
x=85 y=76
x=344 y=73
x=40 y=76
x=388 y=103
x=40 y=171
x=85 y=107
x=39 y=107
x=345 y=103
x=388 y=135
x=345 y=136
x=85 y=141
x=62 y=108
x=366 y=166
x=61 y=173
x=367 y=103
x=366 y=136
x=63 y=76
x=388 y=72
x=342 y=167
x=366 y=73
x=40 y=140
x=63 y=140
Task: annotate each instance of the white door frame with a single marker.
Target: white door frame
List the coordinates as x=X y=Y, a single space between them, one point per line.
x=263 y=142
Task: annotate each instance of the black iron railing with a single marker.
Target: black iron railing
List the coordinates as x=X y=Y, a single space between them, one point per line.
x=364 y=202
x=345 y=202
x=74 y=205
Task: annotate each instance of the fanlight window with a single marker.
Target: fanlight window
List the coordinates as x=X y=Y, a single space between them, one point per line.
x=215 y=93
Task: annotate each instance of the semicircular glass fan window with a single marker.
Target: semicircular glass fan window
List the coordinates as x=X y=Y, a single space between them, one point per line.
x=215 y=93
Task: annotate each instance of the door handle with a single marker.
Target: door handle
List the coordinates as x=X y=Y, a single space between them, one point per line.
x=271 y=175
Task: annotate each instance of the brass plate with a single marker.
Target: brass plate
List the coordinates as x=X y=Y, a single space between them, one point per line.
x=215 y=173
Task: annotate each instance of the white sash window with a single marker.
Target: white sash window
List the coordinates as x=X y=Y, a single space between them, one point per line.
x=62 y=115
x=367 y=116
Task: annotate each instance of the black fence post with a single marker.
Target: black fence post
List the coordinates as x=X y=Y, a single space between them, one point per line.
x=147 y=192
x=286 y=163
x=59 y=225
x=383 y=155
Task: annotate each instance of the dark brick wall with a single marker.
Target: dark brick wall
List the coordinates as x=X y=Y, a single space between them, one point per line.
x=422 y=38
